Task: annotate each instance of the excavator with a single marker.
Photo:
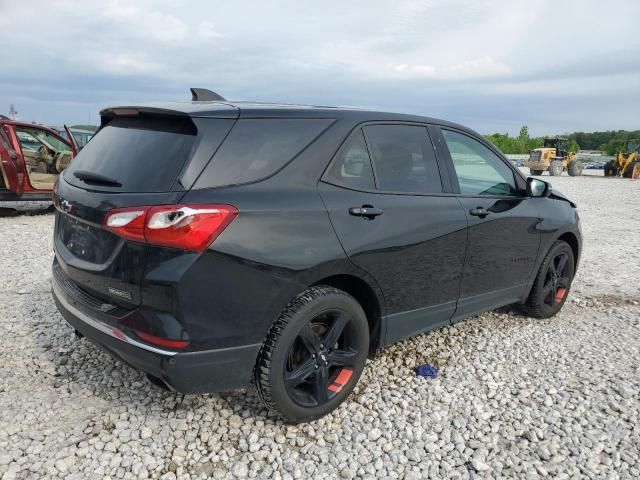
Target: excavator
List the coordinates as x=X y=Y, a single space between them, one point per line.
x=627 y=162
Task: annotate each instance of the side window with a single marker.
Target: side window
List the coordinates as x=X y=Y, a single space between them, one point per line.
x=352 y=166
x=257 y=148
x=403 y=158
x=479 y=170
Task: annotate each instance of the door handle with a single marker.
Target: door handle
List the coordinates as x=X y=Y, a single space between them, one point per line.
x=479 y=212
x=366 y=211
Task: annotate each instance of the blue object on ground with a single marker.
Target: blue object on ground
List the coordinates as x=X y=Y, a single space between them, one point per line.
x=427 y=371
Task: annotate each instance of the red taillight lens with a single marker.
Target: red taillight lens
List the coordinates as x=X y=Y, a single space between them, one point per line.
x=189 y=227
x=163 y=342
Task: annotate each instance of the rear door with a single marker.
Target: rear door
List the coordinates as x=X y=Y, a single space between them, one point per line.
x=132 y=161
x=383 y=191
x=503 y=233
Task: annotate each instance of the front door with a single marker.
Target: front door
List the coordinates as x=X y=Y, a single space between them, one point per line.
x=45 y=155
x=11 y=177
x=383 y=192
x=503 y=233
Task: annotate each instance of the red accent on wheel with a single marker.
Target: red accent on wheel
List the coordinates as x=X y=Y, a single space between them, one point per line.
x=560 y=293
x=341 y=380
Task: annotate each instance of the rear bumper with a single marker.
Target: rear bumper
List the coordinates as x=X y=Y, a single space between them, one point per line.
x=206 y=371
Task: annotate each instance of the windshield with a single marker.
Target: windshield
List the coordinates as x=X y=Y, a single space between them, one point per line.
x=33 y=139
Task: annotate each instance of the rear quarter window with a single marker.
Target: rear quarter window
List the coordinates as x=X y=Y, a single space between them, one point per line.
x=257 y=148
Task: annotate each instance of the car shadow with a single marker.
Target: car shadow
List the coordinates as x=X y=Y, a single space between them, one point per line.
x=30 y=210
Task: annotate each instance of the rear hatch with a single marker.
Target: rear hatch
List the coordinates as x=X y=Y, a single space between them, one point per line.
x=138 y=158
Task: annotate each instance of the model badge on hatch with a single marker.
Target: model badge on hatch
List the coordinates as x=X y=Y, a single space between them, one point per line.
x=120 y=293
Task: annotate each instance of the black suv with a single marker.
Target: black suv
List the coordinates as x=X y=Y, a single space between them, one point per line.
x=213 y=244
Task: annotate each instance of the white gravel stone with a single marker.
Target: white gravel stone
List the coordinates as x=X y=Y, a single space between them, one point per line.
x=515 y=397
x=374 y=434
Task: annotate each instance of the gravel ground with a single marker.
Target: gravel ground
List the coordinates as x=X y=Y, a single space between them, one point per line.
x=515 y=397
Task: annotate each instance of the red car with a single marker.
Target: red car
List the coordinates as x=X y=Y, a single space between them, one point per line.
x=31 y=158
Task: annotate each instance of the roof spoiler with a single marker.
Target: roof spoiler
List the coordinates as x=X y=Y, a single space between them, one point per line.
x=204 y=95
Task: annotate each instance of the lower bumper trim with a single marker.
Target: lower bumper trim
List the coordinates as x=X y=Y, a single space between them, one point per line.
x=103 y=327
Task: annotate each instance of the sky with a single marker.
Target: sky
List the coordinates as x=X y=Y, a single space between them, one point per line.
x=493 y=65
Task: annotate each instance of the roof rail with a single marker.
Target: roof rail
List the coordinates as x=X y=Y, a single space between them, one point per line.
x=204 y=95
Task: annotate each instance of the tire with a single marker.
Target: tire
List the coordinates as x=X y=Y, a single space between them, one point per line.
x=628 y=173
x=535 y=172
x=287 y=351
x=575 y=169
x=548 y=296
x=556 y=168
x=610 y=169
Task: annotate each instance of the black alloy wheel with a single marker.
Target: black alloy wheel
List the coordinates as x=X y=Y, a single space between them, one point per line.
x=321 y=360
x=557 y=280
x=313 y=354
x=552 y=283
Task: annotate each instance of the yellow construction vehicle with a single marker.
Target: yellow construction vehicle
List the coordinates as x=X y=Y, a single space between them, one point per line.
x=627 y=163
x=555 y=157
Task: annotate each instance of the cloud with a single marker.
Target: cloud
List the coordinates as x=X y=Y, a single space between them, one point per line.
x=208 y=31
x=479 y=67
x=488 y=63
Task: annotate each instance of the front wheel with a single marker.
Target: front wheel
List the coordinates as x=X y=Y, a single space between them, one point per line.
x=552 y=283
x=556 y=168
x=313 y=355
x=628 y=173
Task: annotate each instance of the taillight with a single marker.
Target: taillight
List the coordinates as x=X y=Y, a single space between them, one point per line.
x=189 y=227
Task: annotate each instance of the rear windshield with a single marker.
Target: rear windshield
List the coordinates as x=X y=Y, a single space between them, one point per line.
x=142 y=154
x=258 y=148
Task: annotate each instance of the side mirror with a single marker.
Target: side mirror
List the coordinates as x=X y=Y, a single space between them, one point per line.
x=538 y=188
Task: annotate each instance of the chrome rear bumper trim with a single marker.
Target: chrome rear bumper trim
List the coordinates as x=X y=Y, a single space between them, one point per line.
x=103 y=327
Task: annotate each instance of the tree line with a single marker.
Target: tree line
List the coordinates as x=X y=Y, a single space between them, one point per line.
x=610 y=142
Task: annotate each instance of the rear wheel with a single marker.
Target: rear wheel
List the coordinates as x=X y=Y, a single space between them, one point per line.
x=575 y=169
x=313 y=355
x=552 y=283
x=555 y=168
x=610 y=169
x=535 y=172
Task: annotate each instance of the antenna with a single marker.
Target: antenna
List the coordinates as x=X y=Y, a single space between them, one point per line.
x=204 y=95
x=12 y=111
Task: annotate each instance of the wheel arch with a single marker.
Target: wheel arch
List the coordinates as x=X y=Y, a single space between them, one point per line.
x=368 y=299
x=572 y=240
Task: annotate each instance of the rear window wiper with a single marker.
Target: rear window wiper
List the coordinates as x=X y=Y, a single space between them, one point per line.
x=92 y=177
